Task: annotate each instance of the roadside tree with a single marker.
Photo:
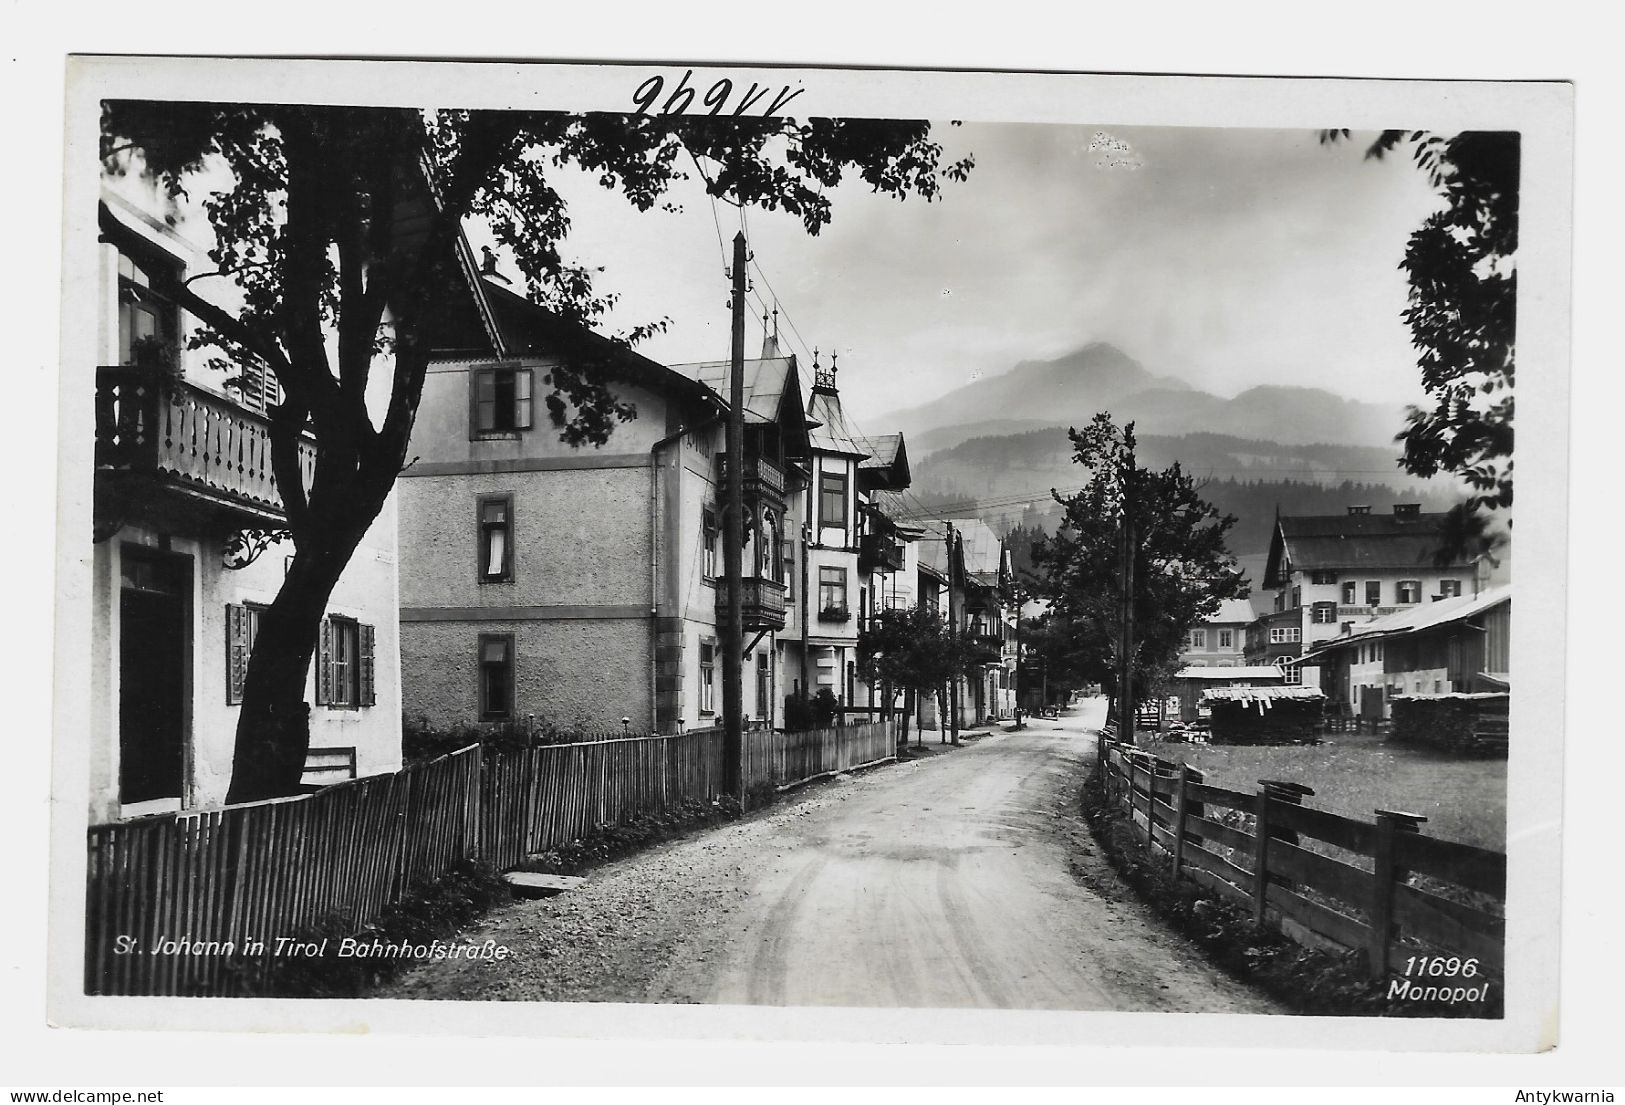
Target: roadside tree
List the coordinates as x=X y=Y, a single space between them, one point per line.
x=336 y=238
x=1178 y=561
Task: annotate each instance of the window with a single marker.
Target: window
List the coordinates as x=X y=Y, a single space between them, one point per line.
x=1281 y=635
x=1323 y=577
x=1323 y=613
x=764 y=687
x=1291 y=674
x=1373 y=592
x=499 y=400
x=496 y=676
x=1227 y=638
x=708 y=672
x=1450 y=588
x=708 y=555
x=832 y=500
x=1297 y=597
x=496 y=538
x=147 y=319
x=242 y=627
x=789 y=576
x=832 y=588
x=1198 y=638
x=1409 y=591
x=1351 y=592
x=767 y=558
x=344 y=664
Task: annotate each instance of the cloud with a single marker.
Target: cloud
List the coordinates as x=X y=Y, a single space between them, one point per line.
x=1229 y=257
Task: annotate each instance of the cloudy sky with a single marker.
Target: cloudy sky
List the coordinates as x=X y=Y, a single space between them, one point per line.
x=1228 y=258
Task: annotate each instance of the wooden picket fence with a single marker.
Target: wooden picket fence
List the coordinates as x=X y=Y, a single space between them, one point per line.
x=229 y=882
x=549 y=795
x=1379 y=887
x=784 y=759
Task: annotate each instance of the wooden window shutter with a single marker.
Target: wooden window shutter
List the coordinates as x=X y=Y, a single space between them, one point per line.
x=369 y=696
x=521 y=398
x=324 y=665
x=237 y=648
x=482 y=396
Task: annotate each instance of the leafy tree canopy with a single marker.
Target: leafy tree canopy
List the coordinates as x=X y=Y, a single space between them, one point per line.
x=1462 y=314
x=343 y=224
x=1182 y=568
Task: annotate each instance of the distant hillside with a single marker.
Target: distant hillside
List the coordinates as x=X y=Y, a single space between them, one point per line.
x=1071 y=389
x=1003 y=465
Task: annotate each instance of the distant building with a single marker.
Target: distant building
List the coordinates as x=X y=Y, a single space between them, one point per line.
x=1453 y=646
x=1220 y=640
x=1328 y=573
x=1190 y=683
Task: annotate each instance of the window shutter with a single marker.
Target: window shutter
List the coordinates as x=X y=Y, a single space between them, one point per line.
x=237 y=646
x=369 y=696
x=483 y=400
x=521 y=399
x=324 y=665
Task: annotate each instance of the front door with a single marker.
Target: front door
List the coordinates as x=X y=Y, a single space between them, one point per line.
x=154 y=658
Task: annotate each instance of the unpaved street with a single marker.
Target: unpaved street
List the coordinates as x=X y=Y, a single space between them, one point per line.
x=965 y=879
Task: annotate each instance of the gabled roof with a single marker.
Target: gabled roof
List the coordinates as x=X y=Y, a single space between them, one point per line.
x=834 y=434
x=1352 y=541
x=772 y=388
x=527 y=328
x=1231 y=611
x=887 y=467
x=1265 y=671
x=984 y=551
x=1431 y=615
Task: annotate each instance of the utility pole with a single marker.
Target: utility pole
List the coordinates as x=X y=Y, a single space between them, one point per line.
x=1016 y=594
x=1126 y=690
x=953 y=637
x=733 y=638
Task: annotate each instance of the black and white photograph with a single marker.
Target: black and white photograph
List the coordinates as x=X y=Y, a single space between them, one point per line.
x=541 y=539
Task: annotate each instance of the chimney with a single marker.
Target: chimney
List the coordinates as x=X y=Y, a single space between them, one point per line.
x=1407 y=510
x=1360 y=509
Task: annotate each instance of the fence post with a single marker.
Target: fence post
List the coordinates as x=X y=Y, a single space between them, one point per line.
x=1179 y=818
x=1385 y=874
x=1261 y=837
x=1270 y=790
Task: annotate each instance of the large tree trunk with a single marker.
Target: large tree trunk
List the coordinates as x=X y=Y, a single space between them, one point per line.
x=273 y=727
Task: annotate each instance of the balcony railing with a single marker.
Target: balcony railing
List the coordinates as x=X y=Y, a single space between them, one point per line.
x=190 y=439
x=762 y=603
x=880 y=551
x=760 y=477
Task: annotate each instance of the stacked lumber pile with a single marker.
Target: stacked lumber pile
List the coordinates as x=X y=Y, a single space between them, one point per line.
x=1473 y=724
x=1264 y=715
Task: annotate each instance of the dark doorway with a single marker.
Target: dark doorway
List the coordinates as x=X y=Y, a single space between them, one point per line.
x=153 y=663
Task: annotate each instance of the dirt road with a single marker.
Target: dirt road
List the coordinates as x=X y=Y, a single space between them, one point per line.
x=965 y=879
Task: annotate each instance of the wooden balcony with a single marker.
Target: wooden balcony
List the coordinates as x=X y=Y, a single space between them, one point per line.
x=762 y=479
x=154 y=433
x=762 y=603
x=880 y=552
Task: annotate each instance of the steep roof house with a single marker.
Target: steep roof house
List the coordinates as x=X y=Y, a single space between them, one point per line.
x=1331 y=571
x=579 y=586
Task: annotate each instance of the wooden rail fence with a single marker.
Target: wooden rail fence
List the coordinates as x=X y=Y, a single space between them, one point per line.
x=195 y=903
x=1379 y=892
